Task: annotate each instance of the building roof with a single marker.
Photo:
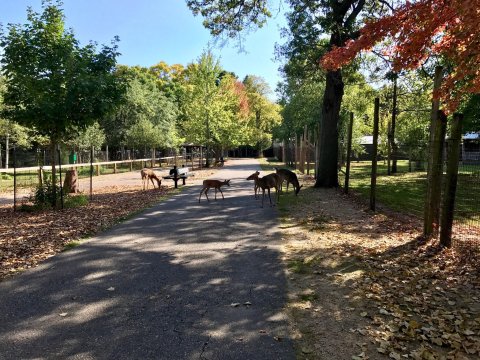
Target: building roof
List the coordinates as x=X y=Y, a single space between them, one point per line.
x=471 y=136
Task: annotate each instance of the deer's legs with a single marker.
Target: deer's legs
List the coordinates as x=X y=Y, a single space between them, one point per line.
x=206 y=191
x=269 y=197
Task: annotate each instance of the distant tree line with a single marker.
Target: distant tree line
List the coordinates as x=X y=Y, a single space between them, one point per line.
x=56 y=93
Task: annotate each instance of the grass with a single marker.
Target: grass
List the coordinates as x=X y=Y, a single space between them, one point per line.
x=299 y=267
x=71 y=245
x=405 y=191
x=73 y=201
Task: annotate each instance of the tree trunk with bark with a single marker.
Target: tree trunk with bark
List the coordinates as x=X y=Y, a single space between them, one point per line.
x=70 y=185
x=327 y=175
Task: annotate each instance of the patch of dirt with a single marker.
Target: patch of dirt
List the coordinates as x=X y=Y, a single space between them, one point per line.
x=28 y=238
x=365 y=285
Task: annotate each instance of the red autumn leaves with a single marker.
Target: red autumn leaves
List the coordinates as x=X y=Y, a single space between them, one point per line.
x=418 y=31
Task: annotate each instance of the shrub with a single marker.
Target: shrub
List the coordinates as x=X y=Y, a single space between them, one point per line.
x=75 y=201
x=46 y=196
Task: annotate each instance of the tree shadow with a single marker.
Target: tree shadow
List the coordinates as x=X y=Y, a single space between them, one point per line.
x=181 y=280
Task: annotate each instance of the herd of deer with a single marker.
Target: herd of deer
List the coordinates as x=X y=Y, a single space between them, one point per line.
x=270 y=181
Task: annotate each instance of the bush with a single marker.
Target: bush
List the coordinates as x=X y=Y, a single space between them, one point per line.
x=75 y=201
x=46 y=196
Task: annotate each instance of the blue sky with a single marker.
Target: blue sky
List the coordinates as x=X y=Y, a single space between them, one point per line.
x=155 y=30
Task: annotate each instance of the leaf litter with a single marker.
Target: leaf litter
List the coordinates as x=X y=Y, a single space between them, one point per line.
x=412 y=299
x=28 y=238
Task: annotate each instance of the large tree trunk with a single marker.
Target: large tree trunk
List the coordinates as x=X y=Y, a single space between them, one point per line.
x=327 y=174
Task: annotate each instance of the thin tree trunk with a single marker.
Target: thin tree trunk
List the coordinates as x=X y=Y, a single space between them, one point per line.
x=373 y=180
x=451 y=181
x=7 y=138
x=349 y=152
x=393 y=144
x=53 y=153
x=435 y=156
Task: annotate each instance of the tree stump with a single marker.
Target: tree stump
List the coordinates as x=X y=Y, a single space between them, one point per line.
x=70 y=185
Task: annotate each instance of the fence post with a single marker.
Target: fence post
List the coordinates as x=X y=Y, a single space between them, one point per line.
x=60 y=175
x=14 y=178
x=349 y=152
x=91 y=173
x=453 y=158
x=373 y=182
x=435 y=163
x=389 y=148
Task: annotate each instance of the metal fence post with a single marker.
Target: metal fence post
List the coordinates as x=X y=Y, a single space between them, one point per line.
x=349 y=151
x=14 y=177
x=373 y=181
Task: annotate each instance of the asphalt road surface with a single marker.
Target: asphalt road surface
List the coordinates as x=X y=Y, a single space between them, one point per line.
x=182 y=280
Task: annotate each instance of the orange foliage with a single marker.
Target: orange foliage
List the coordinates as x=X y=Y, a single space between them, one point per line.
x=420 y=29
x=242 y=97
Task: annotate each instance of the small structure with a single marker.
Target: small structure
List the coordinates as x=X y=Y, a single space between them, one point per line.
x=471 y=148
x=177 y=174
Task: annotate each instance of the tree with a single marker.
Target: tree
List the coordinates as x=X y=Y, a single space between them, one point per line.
x=209 y=105
x=92 y=136
x=309 y=21
x=54 y=84
x=263 y=114
x=12 y=132
x=145 y=116
x=418 y=31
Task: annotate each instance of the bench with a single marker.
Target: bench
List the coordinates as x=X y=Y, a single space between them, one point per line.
x=177 y=174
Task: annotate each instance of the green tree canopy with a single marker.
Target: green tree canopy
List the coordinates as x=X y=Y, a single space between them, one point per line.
x=53 y=84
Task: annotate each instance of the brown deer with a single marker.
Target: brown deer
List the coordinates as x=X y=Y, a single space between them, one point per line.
x=217 y=184
x=290 y=177
x=266 y=183
x=149 y=174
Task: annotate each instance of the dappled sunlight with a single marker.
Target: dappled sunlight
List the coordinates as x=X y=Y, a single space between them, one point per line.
x=98 y=276
x=182 y=278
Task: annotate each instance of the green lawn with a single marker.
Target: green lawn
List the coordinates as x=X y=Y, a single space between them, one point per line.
x=405 y=191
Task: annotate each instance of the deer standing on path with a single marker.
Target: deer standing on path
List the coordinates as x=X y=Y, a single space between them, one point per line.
x=266 y=183
x=217 y=184
x=290 y=177
x=149 y=174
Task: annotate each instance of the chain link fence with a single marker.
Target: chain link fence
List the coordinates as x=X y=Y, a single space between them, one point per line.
x=401 y=185
x=28 y=170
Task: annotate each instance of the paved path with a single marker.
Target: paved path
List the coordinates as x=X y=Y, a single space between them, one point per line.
x=159 y=286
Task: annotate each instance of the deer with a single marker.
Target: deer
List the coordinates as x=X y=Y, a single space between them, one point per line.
x=149 y=174
x=216 y=184
x=290 y=177
x=266 y=183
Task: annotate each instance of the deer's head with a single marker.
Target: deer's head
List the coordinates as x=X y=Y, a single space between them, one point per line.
x=254 y=176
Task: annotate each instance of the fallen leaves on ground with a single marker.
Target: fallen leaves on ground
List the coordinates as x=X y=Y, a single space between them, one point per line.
x=26 y=239
x=381 y=290
x=29 y=238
